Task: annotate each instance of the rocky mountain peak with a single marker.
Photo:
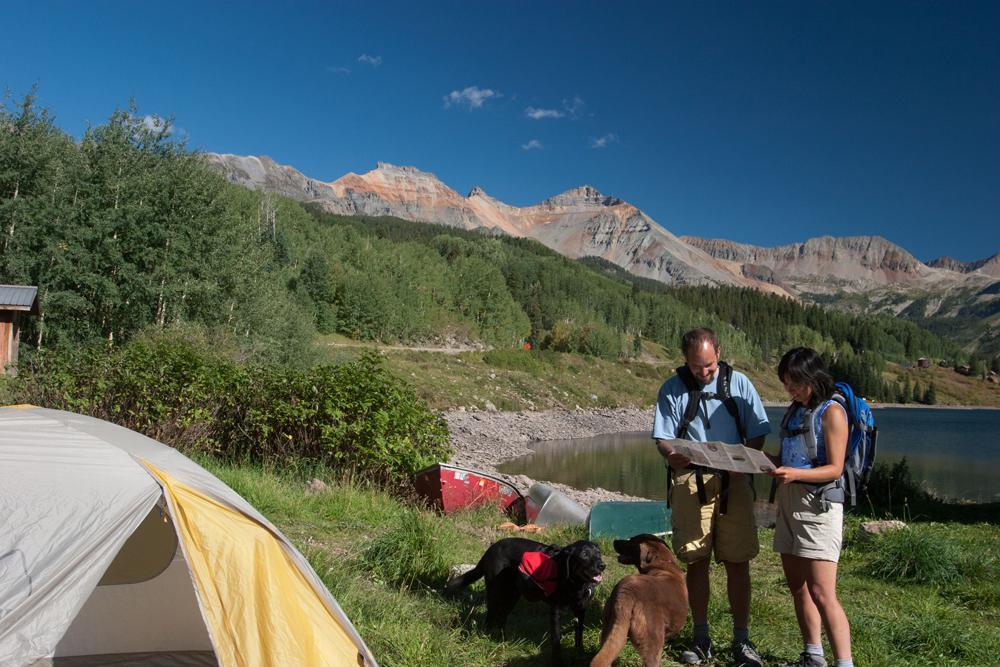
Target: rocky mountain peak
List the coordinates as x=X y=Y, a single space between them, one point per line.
x=990 y=265
x=386 y=166
x=950 y=263
x=477 y=191
x=582 y=196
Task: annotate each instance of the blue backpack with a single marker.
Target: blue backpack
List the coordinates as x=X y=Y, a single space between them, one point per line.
x=862 y=437
x=861 y=442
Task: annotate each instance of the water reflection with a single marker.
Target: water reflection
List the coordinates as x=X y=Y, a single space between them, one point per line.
x=955 y=453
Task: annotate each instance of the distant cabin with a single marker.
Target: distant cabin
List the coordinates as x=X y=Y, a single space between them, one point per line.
x=923 y=362
x=16 y=303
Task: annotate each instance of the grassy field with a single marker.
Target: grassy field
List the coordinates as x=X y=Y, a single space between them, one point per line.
x=930 y=595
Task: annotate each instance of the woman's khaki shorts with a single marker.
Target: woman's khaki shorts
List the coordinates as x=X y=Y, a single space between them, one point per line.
x=701 y=529
x=804 y=527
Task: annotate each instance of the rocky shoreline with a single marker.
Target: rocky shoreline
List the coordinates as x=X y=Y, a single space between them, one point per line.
x=483 y=439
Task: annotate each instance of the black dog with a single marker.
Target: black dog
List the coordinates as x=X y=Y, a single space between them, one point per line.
x=563 y=578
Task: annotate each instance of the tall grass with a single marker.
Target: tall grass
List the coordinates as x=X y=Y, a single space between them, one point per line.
x=913 y=555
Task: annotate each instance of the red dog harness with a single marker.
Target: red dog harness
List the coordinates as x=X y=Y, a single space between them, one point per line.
x=541 y=569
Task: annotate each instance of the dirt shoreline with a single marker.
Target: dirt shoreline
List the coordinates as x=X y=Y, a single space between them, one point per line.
x=483 y=439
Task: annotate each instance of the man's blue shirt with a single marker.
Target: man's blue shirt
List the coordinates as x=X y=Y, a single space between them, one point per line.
x=673 y=399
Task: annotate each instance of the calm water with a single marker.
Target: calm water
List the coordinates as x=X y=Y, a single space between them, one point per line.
x=954 y=453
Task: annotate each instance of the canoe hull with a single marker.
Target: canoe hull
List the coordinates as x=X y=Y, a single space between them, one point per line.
x=450 y=488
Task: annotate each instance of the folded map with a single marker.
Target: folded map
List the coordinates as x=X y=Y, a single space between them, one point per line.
x=722 y=456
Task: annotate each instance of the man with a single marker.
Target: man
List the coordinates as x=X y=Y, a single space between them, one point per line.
x=712 y=510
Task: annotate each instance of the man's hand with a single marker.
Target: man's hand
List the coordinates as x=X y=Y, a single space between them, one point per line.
x=678 y=461
x=674 y=460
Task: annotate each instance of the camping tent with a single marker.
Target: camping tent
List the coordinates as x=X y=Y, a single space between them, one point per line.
x=116 y=549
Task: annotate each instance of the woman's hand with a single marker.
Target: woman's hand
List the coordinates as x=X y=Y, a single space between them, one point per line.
x=786 y=475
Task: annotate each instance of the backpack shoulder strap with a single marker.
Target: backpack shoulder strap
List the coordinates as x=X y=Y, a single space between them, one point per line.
x=848 y=400
x=693 y=400
x=726 y=396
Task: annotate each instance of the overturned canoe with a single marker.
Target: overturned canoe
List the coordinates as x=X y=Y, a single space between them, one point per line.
x=450 y=488
x=623 y=519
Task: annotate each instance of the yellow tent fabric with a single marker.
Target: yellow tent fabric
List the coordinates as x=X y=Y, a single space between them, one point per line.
x=259 y=608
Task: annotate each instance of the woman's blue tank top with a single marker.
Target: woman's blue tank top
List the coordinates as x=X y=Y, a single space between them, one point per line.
x=794 y=453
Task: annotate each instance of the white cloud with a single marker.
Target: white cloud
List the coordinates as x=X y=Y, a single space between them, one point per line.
x=366 y=59
x=575 y=106
x=155 y=123
x=538 y=114
x=473 y=97
x=532 y=145
x=339 y=70
x=605 y=141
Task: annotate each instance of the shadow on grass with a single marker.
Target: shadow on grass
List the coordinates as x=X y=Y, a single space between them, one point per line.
x=529 y=623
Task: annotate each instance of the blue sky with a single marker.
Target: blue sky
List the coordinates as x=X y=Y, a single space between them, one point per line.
x=761 y=122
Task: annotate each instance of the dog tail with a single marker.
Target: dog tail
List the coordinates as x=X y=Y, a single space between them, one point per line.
x=614 y=629
x=463 y=580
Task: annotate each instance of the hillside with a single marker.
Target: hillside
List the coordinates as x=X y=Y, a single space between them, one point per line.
x=579 y=222
x=863 y=274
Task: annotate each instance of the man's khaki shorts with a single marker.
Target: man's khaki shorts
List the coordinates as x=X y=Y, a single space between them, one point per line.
x=805 y=527
x=701 y=529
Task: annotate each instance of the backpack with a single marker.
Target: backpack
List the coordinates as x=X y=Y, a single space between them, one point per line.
x=859 y=459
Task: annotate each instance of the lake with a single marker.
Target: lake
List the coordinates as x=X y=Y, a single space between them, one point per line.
x=953 y=453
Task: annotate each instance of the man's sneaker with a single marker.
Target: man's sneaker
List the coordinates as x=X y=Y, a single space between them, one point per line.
x=699 y=652
x=807 y=660
x=745 y=654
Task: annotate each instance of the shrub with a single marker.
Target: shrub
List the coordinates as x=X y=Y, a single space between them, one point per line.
x=891 y=488
x=353 y=417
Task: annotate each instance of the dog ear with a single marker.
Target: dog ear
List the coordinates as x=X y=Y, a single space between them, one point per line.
x=646 y=554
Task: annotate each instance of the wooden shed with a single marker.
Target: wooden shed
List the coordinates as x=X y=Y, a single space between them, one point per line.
x=16 y=303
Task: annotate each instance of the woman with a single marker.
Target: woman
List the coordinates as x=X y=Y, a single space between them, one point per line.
x=810 y=516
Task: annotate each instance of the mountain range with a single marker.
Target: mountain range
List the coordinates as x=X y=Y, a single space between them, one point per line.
x=862 y=273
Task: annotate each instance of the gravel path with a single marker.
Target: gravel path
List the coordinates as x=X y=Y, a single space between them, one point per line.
x=483 y=439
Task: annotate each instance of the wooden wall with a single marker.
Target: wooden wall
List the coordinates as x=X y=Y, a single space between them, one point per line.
x=8 y=339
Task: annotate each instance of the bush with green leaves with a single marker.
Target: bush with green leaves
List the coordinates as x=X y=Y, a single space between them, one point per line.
x=354 y=417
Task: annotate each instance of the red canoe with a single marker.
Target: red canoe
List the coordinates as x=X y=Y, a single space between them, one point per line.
x=450 y=488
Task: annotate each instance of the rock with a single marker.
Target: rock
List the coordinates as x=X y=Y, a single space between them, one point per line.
x=316 y=487
x=489 y=406
x=460 y=569
x=870 y=528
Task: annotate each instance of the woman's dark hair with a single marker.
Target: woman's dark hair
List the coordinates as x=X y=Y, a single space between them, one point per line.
x=803 y=365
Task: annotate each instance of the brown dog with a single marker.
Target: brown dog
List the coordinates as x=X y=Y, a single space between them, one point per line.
x=649 y=607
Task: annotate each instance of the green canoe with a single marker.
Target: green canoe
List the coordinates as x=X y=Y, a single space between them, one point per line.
x=623 y=519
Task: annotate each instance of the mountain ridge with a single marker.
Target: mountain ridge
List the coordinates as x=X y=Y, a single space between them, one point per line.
x=582 y=221
x=578 y=222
